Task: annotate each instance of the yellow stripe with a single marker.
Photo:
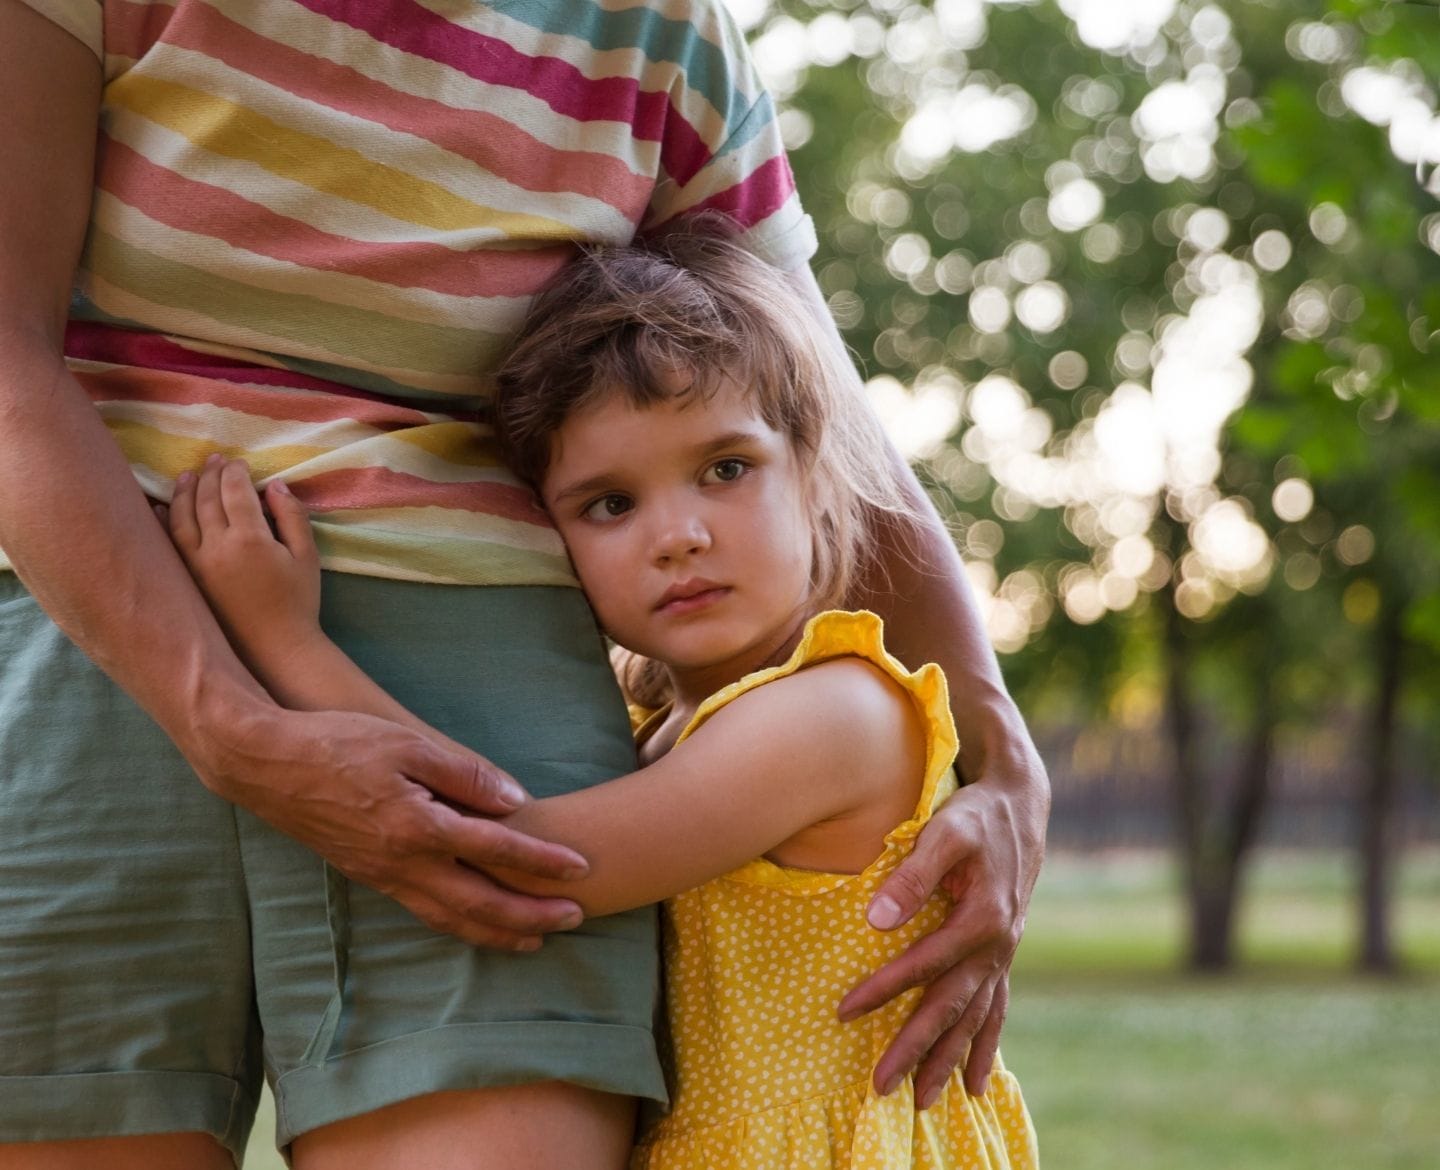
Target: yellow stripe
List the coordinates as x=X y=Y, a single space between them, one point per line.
x=225 y=128
x=170 y=454
x=454 y=442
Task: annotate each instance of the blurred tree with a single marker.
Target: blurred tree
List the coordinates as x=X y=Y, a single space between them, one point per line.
x=1171 y=262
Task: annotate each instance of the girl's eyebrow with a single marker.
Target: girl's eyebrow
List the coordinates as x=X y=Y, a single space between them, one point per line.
x=736 y=438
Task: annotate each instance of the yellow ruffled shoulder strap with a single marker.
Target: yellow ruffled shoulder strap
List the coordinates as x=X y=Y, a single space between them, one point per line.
x=861 y=634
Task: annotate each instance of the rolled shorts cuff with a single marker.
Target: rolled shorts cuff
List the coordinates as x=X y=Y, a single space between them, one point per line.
x=127 y=1104
x=467 y=1056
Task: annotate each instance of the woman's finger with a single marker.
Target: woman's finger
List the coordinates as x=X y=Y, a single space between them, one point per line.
x=943 y=1008
x=942 y=845
x=956 y=1044
x=455 y=900
x=986 y=1044
x=923 y=962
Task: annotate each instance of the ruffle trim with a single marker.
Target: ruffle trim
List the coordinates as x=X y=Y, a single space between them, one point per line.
x=854 y=634
x=881 y=1133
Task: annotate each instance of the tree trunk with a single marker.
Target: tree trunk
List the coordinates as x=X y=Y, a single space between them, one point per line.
x=1207 y=912
x=1377 y=951
x=1215 y=842
x=1228 y=838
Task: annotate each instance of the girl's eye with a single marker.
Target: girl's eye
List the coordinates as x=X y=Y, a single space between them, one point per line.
x=726 y=470
x=608 y=507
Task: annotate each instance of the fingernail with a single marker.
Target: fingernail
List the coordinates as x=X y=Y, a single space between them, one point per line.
x=884 y=913
x=889 y=1086
x=928 y=1098
x=571 y=921
x=509 y=793
x=572 y=872
x=984 y=1086
x=184 y=478
x=527 y=946
x=281 y=487
x=213 y=457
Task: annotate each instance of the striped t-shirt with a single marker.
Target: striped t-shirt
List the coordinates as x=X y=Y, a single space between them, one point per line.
x=317 y=224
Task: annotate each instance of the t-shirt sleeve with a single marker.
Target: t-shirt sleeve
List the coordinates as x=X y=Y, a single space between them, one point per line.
x=82 y=19
x=733 y=160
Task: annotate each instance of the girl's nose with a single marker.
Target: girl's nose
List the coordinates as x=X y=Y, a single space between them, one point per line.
x=680 y=535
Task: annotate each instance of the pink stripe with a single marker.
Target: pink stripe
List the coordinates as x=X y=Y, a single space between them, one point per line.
x=193 y=206
x=559 y=84
x=198 y=386
x=131 y=29
x=759 y=196
x=486 y=140
x=380 y=487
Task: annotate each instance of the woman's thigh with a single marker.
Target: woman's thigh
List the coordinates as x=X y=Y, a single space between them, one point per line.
x=551 y=1125
x=177 y=1151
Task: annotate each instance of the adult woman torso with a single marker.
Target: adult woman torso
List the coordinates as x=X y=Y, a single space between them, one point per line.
x=313 y=226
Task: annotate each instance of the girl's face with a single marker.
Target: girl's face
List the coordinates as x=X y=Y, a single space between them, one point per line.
x=688 y=527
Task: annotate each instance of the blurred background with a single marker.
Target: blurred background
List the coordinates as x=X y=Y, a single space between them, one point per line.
x=1149 y=292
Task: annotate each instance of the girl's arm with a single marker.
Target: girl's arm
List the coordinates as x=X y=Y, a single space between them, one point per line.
x=824 y=744
x=79 y=533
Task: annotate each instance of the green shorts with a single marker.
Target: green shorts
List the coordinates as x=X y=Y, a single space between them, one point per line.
x=160 y=949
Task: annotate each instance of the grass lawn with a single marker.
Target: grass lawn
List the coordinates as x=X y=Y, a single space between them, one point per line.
x=1292 y=1063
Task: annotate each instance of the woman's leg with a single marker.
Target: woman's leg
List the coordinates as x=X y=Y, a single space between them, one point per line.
x=172 y=1151
x=551 y=1125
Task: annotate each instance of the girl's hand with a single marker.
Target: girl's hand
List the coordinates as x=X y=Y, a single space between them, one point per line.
x=264 y=588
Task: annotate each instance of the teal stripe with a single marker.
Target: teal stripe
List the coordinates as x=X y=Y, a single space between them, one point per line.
x=705 y=64
x=759 y=120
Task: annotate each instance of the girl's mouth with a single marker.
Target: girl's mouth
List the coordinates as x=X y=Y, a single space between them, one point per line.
x=690 y=597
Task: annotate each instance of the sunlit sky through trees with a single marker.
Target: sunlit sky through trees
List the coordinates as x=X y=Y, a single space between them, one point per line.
x=1147 y=433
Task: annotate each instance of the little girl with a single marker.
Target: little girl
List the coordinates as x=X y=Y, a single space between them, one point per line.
x=718 y=486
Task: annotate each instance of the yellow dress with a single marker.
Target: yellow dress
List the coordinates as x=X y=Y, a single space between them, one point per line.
x=763 y=1075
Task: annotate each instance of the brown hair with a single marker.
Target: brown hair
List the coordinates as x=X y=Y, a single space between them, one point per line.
x=625 y=319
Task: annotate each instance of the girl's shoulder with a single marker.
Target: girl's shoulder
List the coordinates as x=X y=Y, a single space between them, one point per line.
x=847 y=713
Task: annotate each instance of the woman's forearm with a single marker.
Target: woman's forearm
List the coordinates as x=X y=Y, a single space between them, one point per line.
x=931 y=615
x=72 y=520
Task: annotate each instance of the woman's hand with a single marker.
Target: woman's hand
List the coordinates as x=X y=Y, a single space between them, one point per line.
x=398 y=812
x=983 y=848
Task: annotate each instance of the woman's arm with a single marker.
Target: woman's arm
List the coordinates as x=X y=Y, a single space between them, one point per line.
x=79 y=532
x=835 y=741
x=985 y=846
